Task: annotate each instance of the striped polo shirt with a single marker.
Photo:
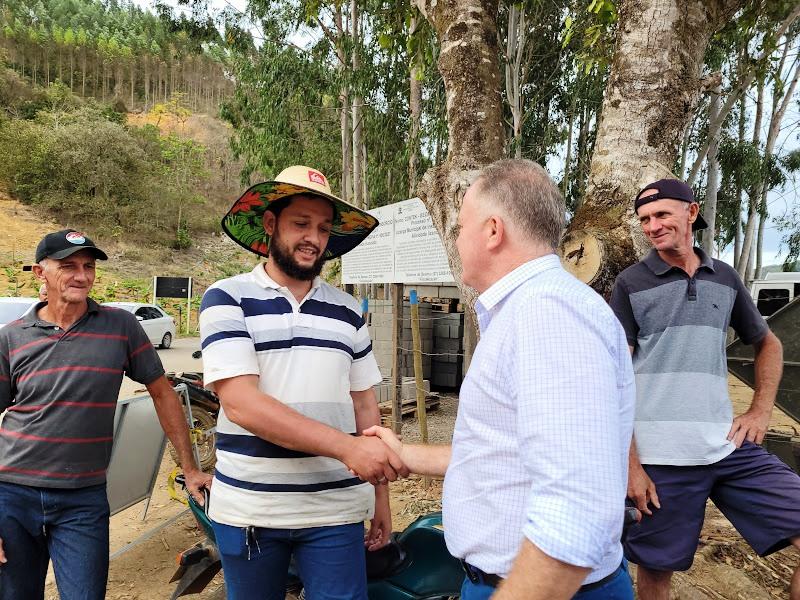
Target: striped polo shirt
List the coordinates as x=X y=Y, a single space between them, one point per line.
x=309 y=355
x=59 y=390
x=677 y=326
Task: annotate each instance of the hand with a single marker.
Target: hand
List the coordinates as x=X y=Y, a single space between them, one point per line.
x=373 y=461
x=388 y=437
x=641 y=489
x=196 y=480
x=751 y=426
x=380 y=527
x=3 y=558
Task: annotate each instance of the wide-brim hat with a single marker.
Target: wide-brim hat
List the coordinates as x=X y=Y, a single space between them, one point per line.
x=244 y=221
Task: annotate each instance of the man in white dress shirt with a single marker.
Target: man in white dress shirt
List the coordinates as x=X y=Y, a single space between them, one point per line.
x=536 y=477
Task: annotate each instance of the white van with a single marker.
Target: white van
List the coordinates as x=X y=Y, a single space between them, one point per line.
x=775 y=291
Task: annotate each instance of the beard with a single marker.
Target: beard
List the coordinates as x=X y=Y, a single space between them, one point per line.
x=283 y=258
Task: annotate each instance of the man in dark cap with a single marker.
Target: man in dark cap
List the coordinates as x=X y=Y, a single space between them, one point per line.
x=61 y=367
x=676 y=306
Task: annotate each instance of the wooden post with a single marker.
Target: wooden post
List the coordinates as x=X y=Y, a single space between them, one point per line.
x=397 y=356
x=422 y=413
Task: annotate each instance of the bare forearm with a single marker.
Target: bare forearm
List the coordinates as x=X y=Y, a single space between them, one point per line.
x=173 y=422
x=271 y=420
x=426 y=459
x=768 y=365
x=537 y=576
x=366 y=410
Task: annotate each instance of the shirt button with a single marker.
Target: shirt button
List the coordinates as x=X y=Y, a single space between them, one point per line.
x=57 y=328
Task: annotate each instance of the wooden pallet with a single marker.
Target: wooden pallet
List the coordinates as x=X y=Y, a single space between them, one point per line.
x=444 y=305
x=409 y=407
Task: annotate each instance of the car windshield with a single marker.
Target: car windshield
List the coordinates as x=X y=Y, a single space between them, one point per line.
x=10 y=311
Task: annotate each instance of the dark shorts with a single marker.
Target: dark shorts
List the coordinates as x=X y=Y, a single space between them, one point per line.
x=754 y=489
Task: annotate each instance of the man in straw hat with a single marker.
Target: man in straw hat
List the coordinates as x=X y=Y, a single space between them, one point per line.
x=291 y=360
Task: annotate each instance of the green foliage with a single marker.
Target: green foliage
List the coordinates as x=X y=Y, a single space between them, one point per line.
x=80 y=161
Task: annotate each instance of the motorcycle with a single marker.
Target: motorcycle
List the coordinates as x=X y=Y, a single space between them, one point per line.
x=414 y=565
x=205 y=408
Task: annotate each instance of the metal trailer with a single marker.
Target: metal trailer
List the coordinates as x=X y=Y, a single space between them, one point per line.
x=785 y=323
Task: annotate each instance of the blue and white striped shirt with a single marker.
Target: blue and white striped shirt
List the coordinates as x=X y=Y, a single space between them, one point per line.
x=540 y=449
x=309 y=355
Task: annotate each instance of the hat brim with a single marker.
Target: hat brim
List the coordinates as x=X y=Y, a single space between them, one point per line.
x=70 y=251
x=243 y=223
x=699 y=223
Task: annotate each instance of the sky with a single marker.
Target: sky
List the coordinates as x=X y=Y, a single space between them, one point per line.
x=779 y=201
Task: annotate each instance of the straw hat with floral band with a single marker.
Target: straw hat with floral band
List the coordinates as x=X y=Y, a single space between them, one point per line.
x=244 y=224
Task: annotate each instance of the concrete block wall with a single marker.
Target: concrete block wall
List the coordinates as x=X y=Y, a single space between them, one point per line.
x=448 y=335
x=408 y=389
x=380 y=330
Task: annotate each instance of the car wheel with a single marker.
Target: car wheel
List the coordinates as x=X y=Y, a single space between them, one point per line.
x=166 y=341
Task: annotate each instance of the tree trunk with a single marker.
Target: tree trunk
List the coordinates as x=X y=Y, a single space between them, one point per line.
x=415 y=110
x=653 y=87
x=468 y=63
x=753 y=193
x=737 y=237
x=358 y=198
x=712 y=183
x=515 y=47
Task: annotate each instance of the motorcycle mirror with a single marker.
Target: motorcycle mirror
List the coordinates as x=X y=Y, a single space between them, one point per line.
x=197 y=354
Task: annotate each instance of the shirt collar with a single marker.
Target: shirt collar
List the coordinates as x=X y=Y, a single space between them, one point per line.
x=659 y=267
x=31 y=318
x=265 y=281
x=501 y=288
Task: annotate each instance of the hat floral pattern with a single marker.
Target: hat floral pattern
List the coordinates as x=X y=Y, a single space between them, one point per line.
x=244 y=221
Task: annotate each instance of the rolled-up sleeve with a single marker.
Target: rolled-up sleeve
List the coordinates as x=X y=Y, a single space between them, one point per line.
x=228 y=349
x=565 y=381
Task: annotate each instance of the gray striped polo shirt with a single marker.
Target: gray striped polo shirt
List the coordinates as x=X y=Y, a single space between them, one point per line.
x=677 y=326
x=59 y=390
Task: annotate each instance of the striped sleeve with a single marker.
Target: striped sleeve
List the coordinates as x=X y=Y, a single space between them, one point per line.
x=228 y=349
x=364 y=371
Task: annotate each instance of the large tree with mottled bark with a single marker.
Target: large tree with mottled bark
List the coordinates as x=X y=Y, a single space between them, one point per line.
x=654 y=84
x=470 y=67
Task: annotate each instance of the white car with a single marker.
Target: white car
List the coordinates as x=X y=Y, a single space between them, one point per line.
x=157 y=324
x=12 y=309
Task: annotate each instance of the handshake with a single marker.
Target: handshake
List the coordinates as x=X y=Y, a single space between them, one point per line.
x=376 y=456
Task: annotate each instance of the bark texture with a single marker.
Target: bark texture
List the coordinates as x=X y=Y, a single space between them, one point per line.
x=653 y=87
x=469 y=65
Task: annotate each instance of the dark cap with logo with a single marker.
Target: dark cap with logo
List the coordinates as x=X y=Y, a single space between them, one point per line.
x=670 y=189
x=64 y=243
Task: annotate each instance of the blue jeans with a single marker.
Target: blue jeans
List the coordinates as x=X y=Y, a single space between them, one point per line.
x=330 y=561
x=619 y=587
x=68 y=525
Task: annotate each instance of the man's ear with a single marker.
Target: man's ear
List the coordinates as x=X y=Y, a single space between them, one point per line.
x=495 y=230
x=38 y=271
x=694 y=210
x=269 y=221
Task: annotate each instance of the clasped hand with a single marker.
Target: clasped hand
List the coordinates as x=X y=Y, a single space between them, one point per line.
x=376 y=456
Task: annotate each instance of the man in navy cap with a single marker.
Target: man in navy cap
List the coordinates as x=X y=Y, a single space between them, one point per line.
x=61 y=366
x=676 y=306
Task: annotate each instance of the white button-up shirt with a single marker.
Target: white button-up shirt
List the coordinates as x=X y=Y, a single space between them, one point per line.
x=540 y=448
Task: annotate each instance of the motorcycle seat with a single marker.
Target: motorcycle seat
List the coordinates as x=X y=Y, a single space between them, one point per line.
x=386 y=561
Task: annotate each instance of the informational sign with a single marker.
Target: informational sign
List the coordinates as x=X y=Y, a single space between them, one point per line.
x=172 y=287
x=404 y=248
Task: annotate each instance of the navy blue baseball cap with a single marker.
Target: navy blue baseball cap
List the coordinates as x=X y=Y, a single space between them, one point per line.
x=64 y=243
x=670 y=189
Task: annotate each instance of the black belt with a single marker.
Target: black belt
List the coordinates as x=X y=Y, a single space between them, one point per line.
x=477 y=576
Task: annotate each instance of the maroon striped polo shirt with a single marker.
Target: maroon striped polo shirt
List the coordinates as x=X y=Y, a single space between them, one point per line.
x=59 y=390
